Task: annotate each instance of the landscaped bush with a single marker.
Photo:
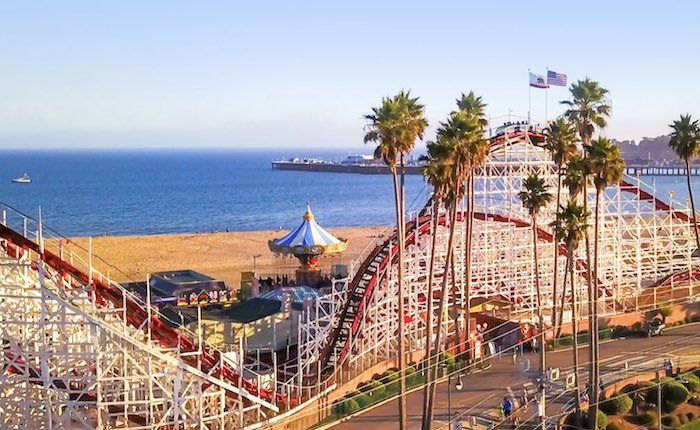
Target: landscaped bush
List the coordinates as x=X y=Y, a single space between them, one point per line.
x=581 y=420
x=671 y=421
x=363 y=400
x=565 y=340
x=413 y=378
x=606 y=333
x=643 y=419
x=668 y=407
x=345 y=406
x=378 y=390
x=636 y=327
x=673 y=391
x=647 y=388
x=390 y=378
x=618 y=404
x=446 y=358
x=692 y=382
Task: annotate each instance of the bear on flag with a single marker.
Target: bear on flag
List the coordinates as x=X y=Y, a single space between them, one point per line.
x=538 y=81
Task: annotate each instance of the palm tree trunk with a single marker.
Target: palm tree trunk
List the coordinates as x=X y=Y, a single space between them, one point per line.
x=400 y=299
x=543 y=364
x=443 y=299
x=556 y=254
x=692 y=202
x=574 y=326
x=429 y=324
x=589 y=284
x=593 y=324
x=563 y=297
x=468 y=268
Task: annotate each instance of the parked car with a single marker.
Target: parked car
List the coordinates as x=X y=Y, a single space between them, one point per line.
x=653 y=327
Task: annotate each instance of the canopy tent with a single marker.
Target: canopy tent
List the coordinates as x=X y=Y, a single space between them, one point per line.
x=308 y=238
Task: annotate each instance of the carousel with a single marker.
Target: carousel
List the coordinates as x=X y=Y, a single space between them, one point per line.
x=308 y=242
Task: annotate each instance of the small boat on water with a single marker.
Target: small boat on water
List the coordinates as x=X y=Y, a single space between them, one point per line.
x=24 y=179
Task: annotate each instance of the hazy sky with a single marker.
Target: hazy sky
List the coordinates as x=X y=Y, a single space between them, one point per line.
x=302 y=74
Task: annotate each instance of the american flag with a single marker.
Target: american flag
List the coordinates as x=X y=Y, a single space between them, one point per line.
x=554 y=78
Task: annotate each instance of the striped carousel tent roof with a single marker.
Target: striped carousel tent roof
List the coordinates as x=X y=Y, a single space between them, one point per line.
x=308 y=238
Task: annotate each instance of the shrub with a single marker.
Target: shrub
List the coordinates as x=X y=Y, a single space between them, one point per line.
x=673 y=391
x=692 y=382
x=446 y=358
x=647 y=388
x=671 y=421
x=412 y=376
x=390 y=378
x=581 y=420
x=378 y=390
x=362 y=399
x=606 y=333
x=616 y=405
x=345 y=406
x=668 y=407
x=636 y=327
x=643 y=419
x=665 y=312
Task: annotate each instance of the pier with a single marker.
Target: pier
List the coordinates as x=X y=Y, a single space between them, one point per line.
x=660 y=170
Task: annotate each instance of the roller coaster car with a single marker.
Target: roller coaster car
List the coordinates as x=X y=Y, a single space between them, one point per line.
x=653 y=327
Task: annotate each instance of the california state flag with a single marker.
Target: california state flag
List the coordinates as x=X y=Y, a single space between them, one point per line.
x=538 y=81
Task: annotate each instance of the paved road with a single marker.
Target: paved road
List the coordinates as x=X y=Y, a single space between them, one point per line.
x=483 y=391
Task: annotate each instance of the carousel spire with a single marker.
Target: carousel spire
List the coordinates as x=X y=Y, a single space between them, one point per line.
x=308 y=242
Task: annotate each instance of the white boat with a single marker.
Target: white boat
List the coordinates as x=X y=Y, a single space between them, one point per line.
x=24 y=179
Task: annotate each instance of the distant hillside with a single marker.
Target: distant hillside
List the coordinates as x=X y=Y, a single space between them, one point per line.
x=654 y=149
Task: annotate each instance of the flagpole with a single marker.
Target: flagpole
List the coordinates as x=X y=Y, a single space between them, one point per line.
x=529 y=96
x=546 y=99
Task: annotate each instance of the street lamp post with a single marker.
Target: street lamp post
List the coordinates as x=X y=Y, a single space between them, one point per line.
x=458 y=385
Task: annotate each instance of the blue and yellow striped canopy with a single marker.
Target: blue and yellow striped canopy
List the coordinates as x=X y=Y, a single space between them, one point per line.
x=308 y=238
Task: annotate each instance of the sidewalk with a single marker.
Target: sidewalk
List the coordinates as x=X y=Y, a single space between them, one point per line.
x=484 y=391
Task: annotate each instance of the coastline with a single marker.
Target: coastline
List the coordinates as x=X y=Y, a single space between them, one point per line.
x=220 y=255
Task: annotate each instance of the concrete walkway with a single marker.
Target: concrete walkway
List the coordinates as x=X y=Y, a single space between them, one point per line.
x=483 y=392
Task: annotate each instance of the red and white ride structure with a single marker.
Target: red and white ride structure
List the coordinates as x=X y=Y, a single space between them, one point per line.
x=79 y=351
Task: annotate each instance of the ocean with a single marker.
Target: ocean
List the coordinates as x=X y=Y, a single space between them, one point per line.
x=92 y=193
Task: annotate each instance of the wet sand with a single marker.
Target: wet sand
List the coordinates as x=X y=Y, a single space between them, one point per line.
x=220 y=255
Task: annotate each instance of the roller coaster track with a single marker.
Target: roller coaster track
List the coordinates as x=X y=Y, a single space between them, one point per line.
x=209 y=362
x=366 y=278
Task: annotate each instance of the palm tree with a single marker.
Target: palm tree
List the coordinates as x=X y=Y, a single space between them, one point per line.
x=437 y=174
x=561 y=143
x=607 y=167
x=472 y=105
x=588 y=108
x=396 y=125
x=685 y=141
x=535 y=196
x=570 y=226
x=460 y=143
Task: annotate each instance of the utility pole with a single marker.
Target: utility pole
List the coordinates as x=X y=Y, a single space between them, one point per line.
x=658 y=395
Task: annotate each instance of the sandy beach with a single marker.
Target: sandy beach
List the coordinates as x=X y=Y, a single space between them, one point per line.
x=220 y=255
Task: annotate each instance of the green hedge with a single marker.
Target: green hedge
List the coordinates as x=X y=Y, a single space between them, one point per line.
x=581 y=420
x=619 y=404
x=673 y=391
x=692 y=382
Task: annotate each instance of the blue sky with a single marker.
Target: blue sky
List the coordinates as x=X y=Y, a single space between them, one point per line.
x=302 y=74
